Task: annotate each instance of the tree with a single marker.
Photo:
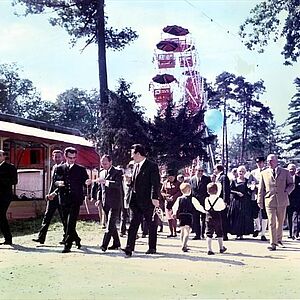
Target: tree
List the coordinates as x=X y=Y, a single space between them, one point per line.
x=78 y=108
x=14 y=90
x=178 y=137
x=266 y=23
x=85 y=18
x=246 y=95
x=123 y=125
x=294 y=120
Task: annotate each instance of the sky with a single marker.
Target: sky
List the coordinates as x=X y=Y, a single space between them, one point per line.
x=48 y=60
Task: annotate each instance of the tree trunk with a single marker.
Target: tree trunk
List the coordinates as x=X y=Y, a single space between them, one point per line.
x=102 y=58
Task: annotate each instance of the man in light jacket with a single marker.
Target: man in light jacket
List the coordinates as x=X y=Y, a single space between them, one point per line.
x=275 y=185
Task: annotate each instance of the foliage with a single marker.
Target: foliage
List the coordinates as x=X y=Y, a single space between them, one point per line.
x=14 y=90
x=80 y=19
x=266 y=23
x=294 y=120
x=122 y=125
x=178 y=137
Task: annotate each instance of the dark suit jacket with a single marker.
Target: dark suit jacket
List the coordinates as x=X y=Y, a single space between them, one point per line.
x=73 y=191
x=112 y=195
x=147 y=185
x=294 y=196
x=199 y=191
x=225 y=192
x=8 y=178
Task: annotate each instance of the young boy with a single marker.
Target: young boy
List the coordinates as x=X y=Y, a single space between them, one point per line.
x=213 y=206
x=183 y=209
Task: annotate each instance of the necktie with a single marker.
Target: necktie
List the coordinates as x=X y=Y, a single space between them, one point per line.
x=274 y=173
x=136 y=172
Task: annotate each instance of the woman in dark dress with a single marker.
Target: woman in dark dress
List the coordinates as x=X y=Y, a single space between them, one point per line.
x=239 y=213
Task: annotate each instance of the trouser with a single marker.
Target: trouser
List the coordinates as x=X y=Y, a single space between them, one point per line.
x=290 y=211
x=296 y=223
x=225 y=225
x=111 y=231
x=70 y=215
x=51 y=207
x=4 y=226
x=276 y=217
x=124 y=220
x=137 y=218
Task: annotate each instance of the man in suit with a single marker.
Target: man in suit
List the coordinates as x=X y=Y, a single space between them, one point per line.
x=71 y=178
x=199 y=184
x=8 y=178
x=260 y=224
x=144 y=198
x=225 y=195
x=294 y=207
x=111 y=195
x=275 y=185
x=52 y=200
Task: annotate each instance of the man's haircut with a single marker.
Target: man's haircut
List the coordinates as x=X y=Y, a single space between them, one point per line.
x=219 y=167
x=70 y=150
x=107 y=156
x=138 y=148
x=57 y=151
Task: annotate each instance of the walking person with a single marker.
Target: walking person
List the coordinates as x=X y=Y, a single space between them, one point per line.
x=71 y=178
x=111 y=195
x=183 y=210
x=199 y=184
x=8 y=178
x=170 y=191
x=275 y=185
x=52 y=201
x=144 y=198
x=225 y=195
x=213 y=207
x=294 y=208
x=260 y=217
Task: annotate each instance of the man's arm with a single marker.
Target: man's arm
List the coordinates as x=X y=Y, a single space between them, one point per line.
x=261 y=193
x=290 y=185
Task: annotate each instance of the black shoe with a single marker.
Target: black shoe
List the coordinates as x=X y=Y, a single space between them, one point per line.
x=114 y=247
x=62 y=242
x=103 y=249
x=122 y=234
x=6 y=243
x=272 y=248
x=127 y=252
x=144 y=235
x=290 y=237
x=66 y=250
x=223 y=249
x=210 y=253
x=170 y=236
x=263 y=238
x=38 y=241
x=78 y=245
x=185 y=249
x=196 y=238
x=151 y=251
x=255 y=234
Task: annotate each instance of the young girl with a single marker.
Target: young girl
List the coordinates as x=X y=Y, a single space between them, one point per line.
x=183 y=210
x=213 y=206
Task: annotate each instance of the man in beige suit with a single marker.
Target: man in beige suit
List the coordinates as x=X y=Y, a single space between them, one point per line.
x=275 y=185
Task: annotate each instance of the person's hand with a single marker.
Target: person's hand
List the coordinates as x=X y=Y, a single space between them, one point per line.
x=174 y=216
x=88 y=182
x=97 y=203
x=101 y=181
x=155 y=202
x=51 y=196
x=240 y=194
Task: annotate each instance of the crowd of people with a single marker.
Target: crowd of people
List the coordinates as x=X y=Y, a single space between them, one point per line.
x=248 y=202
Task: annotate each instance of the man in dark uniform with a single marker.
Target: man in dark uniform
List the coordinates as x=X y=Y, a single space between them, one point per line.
x=199 y=184
x=111 y=195
x=144 y=198
x=8 y=178
x=71 y=179
x=52 y=200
